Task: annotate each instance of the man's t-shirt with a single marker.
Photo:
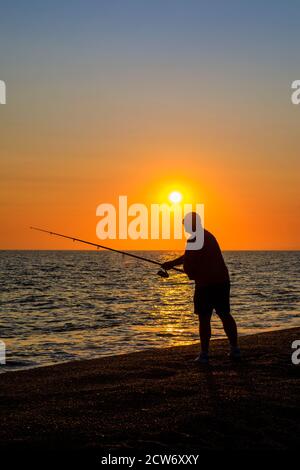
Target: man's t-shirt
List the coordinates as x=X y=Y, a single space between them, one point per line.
x=206 y=266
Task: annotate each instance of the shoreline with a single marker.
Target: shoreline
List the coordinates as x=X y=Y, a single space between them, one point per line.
x=151 y=349
x=158 y=400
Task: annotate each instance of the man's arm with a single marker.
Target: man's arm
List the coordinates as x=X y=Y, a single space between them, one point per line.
x=175 y=262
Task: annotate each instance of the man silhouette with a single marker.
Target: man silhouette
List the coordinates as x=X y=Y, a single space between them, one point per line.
x=206 y=266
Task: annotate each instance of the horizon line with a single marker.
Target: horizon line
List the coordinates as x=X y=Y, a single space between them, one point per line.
x=164 y=250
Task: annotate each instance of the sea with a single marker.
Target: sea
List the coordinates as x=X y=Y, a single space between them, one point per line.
x=59 y=306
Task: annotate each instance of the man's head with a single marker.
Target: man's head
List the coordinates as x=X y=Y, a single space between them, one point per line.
x=193 y=226
x=192 y=223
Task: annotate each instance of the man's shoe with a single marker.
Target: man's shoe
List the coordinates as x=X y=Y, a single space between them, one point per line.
x=203 y=358
x=235 y=354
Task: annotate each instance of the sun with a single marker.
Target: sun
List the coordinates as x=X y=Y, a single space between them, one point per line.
x=175 y=197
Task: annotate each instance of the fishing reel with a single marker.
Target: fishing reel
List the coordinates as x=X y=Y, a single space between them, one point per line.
x=163 y=273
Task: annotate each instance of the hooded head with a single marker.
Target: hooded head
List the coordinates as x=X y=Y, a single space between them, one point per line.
x=193 y=225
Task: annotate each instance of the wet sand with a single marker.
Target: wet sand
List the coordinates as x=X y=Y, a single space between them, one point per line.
x=158 y=400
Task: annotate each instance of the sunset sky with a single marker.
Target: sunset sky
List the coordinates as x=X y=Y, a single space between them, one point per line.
x=139 y=98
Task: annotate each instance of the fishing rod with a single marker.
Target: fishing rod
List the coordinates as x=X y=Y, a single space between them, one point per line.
x=162 y=272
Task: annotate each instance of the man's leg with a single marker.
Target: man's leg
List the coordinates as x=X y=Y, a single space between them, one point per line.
x=204 y=332
x=230 y=328
x=204 y=309
x=222 y=307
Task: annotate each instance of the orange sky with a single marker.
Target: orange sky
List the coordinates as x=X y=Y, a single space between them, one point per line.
x=244 y=209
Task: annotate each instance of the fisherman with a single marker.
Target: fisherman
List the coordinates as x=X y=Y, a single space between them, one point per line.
x=206 y=266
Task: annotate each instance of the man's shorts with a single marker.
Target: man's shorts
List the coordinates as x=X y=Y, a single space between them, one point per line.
x=213 y=297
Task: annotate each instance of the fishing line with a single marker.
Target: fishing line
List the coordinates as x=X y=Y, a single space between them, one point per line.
x=162 y=272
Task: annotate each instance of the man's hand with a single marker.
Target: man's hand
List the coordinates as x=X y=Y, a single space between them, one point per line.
x=171 y=264
x=167 y=265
